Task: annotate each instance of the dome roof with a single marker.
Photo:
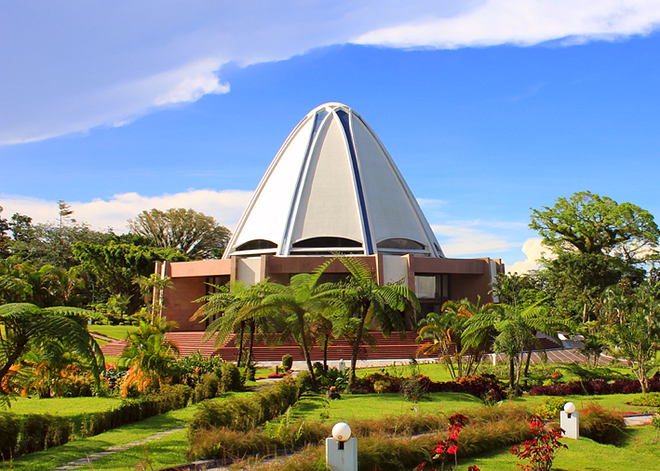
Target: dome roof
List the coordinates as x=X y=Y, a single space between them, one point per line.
x=331 y=188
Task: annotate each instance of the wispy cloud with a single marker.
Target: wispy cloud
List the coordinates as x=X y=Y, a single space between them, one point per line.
x=462 y=240
x=69 y=67
x=225 y=206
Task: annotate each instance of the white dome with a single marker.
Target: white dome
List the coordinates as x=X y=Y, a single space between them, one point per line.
x=333 y=187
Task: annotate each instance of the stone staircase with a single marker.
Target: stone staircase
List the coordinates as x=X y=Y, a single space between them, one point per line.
x=392 y=348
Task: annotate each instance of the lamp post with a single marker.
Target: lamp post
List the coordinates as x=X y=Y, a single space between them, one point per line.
x=569 y=421
x=341 y=449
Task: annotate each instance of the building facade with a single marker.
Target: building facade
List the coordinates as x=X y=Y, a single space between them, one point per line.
x=332 y=188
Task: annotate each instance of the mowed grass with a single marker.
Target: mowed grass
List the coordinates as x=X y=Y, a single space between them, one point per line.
x=376 y=406
x=118 y=332
x=168 y=451
x=435 y=371
x=639 y=451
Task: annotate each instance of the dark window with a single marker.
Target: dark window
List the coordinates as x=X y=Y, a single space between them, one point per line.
x=403 y=244
x=257 y=244
x=315 y=242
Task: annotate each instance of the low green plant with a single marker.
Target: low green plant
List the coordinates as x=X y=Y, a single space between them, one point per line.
x=600 y=424
x=287 y=362
x=550 y=408
x=649 y=399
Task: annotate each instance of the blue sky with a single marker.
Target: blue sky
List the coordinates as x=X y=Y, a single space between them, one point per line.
x=489 y=108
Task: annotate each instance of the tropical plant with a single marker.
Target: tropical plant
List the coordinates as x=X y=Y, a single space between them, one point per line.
x=233 y=309
x=442 y=334
x=366 y=302
x=514 y=331
x=150 y=355
x=632 y=318
x=24 y=326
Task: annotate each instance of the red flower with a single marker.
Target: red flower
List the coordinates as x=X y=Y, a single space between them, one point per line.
x=452 y=450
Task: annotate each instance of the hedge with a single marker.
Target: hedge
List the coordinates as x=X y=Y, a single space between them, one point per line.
x=246 y=413
x=34 y=432
x=595 y=387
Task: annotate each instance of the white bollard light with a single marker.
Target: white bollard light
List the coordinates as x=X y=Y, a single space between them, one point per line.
x=341 y=449
x=569 y=421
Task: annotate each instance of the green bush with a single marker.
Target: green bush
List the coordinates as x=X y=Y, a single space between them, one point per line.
x=287 y=362
x=304 y=381
x=231 y=378
x=648 y=399
x=246 y=413
x=601 y=425
x=207 y=388
x=550 y=408
x=9 y=436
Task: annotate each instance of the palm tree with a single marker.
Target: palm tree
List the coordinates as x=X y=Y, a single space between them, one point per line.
x=513 y=330
x=366 y=302
x=233 y=308
x=150 y=354
x=24 y=325
x=304 y=302
x=441 y=333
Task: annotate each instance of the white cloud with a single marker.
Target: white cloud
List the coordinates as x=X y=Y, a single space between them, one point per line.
x=523 y=22
x=534 y=250
x=225 y=206
x=459 y=239
x=68 y=67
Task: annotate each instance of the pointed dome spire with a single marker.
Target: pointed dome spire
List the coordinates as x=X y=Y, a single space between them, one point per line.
x=333 y=187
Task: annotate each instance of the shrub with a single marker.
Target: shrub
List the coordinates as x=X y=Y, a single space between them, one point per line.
x=9 y=436
x=207 y=388
x=304 y=381
x=601 y=425
x=287 y=362
x=245 y=413
x=649 y=399
x=550 y=408
x=541 y=449
x=231 y=378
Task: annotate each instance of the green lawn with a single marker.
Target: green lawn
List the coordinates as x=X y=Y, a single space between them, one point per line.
x=435 y=371
x=118 y=332
x=66 y=407
x=640 y=451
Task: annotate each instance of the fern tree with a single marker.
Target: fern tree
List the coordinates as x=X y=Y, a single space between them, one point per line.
x=442 y=334
x=366 y=302
x=513 y=330
x=25 y=325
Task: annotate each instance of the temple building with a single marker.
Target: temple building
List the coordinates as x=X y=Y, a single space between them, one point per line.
x=332 y=188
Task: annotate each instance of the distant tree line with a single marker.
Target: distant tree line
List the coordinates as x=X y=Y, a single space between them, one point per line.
x=67 y=263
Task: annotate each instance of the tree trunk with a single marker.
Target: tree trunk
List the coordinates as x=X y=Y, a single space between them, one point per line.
x=326 y=341
x=248 y=362
x=240 y=345
x=527 y=362
x=308 y=357
x=356 y=346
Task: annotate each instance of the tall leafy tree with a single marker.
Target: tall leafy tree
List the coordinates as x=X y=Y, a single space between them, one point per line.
x=117 y=266
x=194 y=234
x=593 y=224
x=597 y=242
x=631 y=326
x=23 y=325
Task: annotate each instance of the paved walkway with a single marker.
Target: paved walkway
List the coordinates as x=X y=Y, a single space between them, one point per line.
x=85 y=462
